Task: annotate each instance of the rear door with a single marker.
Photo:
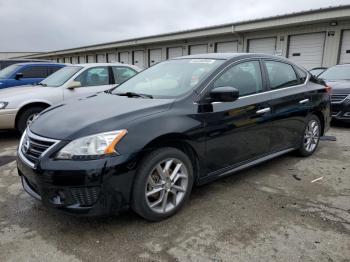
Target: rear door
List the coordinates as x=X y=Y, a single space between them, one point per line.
x=238 y=131
x=92 y=80
x=289 y=103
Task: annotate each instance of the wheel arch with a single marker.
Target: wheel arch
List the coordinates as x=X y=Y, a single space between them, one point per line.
x=29 y=105
x=178 y=141
x=321 y=117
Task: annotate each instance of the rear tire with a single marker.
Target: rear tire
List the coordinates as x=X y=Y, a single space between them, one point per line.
x=27 y=116
x=163 y=184
x=311 y=137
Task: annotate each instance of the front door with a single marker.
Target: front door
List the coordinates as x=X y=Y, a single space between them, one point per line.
x=238 y=131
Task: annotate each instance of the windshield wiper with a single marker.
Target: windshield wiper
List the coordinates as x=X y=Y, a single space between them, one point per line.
x=41 y=84
x=132 y=94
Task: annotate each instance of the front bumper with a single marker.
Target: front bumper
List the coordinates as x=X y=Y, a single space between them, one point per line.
x=83 y=188
x=8 y=118
x=341 y=111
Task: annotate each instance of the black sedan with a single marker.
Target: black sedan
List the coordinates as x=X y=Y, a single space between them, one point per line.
x=338 y=77
x=180 y=123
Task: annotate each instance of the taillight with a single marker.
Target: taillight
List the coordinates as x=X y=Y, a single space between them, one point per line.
x=328 y=89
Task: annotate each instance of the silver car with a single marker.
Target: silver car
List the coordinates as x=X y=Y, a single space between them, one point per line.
x=20 y=105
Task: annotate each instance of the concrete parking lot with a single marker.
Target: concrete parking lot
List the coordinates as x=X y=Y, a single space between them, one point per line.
x=272 y=212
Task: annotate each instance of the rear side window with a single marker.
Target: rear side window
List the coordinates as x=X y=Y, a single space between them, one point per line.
x=281 y=75
x=246 y=77
x=34 y=72
x=122 y=74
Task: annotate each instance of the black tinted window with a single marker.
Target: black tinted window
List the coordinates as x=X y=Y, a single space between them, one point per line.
x=53 y=69
x=34 y=72
x=281 y=74
x=246 y=77
x=122 y=74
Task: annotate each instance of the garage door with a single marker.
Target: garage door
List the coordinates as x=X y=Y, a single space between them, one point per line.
x=262 y=45
x=307 y=50
x=198 y=49
x=124 y=57
x=227 y=47
x=175 y=52
x=112 y=57
x=75 y=60
x=67 y=59
x=82 y=59
x=61 y=60
x=139 y=59
x=91 y=59
x=345 y=48
x=101 y=58
x=155 y=56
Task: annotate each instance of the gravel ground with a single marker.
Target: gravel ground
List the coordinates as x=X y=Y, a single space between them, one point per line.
x=272 y=212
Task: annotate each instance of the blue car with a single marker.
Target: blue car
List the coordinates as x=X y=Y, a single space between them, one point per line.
x=26 y=73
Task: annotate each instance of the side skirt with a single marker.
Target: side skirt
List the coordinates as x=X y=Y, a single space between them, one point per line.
x=236 y=168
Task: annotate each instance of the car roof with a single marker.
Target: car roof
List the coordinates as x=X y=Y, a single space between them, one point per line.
x=89 y=65
x=40 y=63
x=229 y=56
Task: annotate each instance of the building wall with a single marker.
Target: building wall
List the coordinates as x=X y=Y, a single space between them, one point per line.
x=330 y=55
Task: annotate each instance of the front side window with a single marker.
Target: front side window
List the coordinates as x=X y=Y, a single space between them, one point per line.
x=61 y=76
x=121 y=74
x=281 y=75
x=246 y=77
x=34 y=72
x=169 y=79
x=95 y=76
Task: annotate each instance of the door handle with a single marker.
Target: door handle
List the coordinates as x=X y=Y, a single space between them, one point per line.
x=264 y=110
x=304 y=101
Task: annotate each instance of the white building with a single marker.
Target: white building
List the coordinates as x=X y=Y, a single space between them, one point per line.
x=312 y=39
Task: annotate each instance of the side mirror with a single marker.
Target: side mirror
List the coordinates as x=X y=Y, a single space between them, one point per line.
x=224 y=94
x=74 y=84
x=19 y=76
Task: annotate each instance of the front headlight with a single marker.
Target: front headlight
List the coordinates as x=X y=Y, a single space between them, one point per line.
x=92 y=147
x=3 y=105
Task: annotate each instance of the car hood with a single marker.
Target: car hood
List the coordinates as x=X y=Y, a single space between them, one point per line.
x=94 y=114
x=17 y=90
x=339 y=87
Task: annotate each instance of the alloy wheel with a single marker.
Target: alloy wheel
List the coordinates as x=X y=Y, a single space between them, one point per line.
x=31 y=118
x=166 y=185
x=311 y=136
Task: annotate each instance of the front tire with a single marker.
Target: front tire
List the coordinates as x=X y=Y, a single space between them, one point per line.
x=311 y=137
x=27 y=117
x=163 y=184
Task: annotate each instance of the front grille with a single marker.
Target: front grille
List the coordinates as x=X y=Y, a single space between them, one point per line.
x=337 y=98
x=86 y=196
x=33 y=147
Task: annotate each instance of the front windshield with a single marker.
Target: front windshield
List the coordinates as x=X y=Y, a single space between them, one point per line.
x=61 y=76
x=8 y=71
x=169 y=79
x=336 y=73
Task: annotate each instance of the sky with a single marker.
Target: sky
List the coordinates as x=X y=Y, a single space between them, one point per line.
x=47 y=25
